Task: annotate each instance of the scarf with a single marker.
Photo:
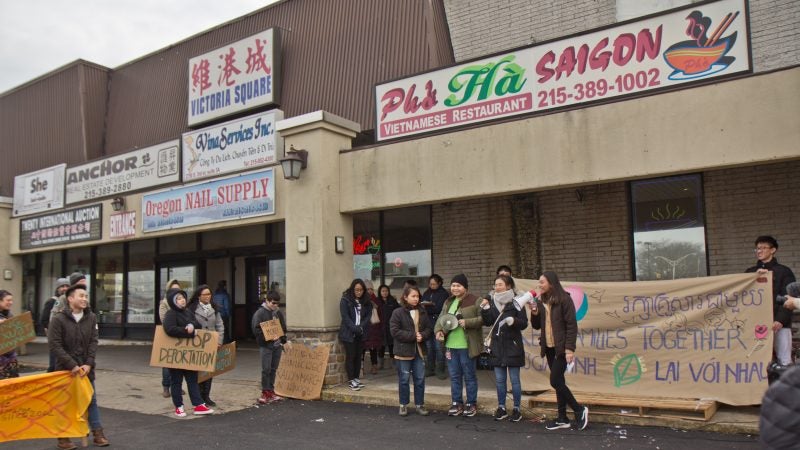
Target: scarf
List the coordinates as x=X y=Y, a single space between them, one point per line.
x=502 y=299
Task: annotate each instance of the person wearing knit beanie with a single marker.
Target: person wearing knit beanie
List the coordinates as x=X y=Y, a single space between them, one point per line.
x=76 y=277
x=460 y=279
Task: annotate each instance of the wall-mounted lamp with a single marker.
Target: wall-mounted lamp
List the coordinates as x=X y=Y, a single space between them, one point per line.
x=293 y=163
x=117 y=203
x=302 y=244
x=339 y=244
x=8 y=274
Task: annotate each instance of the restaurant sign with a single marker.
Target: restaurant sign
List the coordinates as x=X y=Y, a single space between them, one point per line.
x=234 y=78
x=39 y=191
x=238 y=197
x=696 y=43
x=242 y=144
x=64 y=227
x=116 y=175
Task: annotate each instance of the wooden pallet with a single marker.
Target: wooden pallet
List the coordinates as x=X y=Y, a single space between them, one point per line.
x=691 y=409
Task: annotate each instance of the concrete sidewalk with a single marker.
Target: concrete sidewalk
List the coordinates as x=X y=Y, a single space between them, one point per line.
x=125 y=381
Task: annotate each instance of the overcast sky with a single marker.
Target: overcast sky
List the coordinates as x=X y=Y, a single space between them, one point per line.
x=37 y=36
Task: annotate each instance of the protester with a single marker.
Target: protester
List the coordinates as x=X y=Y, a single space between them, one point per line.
x=208 y=316
x=223 y=301
x=462 y=346
x=181 y=323
x=389 y=305
x=554 y=314
x=374 y=342
x=61 y=303
x=779 y=424
x=356 y=310
x=270 y=350
x=73 y=340
x=765 y=249
x=163 y=307
x=433 y=299
x=44 y=320
x=410 y=328
x=9 y=367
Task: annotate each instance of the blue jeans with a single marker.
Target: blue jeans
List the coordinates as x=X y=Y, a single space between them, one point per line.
x=177 y=376
x=462 y=367
x=405 y=369
x=94 y=411
x=500 y=374
x=270 y=358
x=435 y=353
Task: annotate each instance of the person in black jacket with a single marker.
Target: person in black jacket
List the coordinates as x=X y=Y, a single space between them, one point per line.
x=507 y=350
x=410 y=329
x=765 y=249
x=433 y=299
x=355 y=309
x=554 y=313
x=181 y=323
x=61 y=286
x=389 y=305
x=270 y=350
x=779 y=424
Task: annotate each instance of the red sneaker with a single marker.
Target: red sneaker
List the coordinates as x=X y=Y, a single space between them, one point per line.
x=276 y=397
x=265 y=398
x=202 y=409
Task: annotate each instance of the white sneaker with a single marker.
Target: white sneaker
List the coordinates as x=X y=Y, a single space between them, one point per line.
x=354 y=386
x=358 y=381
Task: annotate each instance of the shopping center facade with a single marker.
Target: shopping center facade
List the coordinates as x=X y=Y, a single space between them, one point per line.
x=166 y=173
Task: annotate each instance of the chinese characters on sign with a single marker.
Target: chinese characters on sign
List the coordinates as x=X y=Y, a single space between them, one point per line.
x=234 y=78
x=72 y=225
x=242 y=144
x=39 y=191
x=655 y=53
x=148 y=167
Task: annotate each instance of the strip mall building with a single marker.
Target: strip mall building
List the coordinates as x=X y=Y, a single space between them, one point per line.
x=610 y=143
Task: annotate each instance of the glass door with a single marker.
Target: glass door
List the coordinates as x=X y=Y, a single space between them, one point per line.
x=262 y=275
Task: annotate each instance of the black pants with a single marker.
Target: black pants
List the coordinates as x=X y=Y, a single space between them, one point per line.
x=352 y=358
x=558 y=365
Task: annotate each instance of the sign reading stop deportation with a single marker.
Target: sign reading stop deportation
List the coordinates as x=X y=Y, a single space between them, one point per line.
x=243 y=144
x=72 y=225
x=195 y=353
x=148 y=167
x=238 y=197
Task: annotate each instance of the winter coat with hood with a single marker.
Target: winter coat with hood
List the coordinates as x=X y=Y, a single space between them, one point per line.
x=176 y=319
x=349 y=331
x=73 y=342
x=405 y=335
x=507 y=349
x=163 y=306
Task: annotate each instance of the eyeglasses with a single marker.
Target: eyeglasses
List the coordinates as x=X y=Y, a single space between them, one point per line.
x=760 y=249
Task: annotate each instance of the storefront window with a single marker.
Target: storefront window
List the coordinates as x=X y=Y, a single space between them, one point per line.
x=185 y=274
x=367 y=254
x=29 y=300
x=669 y=228
x=109 y=284
x=80 y=260
x=407 y=245
x=50 y=271
x=141 y=282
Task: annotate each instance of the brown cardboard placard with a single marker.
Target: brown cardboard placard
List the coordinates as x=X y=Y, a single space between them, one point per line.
x=226 y=361
x=16 y=331
x=195 y=353
x=302 y=371
x=272 y=329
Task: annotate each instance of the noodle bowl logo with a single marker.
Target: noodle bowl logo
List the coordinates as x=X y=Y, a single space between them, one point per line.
x=703 y=54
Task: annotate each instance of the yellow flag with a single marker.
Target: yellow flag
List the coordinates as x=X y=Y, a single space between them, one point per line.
x=49 y=405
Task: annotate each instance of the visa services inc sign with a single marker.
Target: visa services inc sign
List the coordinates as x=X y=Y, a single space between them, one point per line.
x=235 y=78
x=695 y=43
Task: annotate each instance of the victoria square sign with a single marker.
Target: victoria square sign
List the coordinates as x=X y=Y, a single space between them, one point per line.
x=234 y=78
x=697 y=43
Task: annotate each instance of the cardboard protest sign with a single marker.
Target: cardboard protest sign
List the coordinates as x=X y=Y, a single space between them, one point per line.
x=195 y=353
x=16 y=331
x=704 y=337
x=226 y=361
x=272 y=329
x=44 y=406
x=302 y=371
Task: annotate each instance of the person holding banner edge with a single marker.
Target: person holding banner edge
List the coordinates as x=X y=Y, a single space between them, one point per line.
x=554 y=313
x=181 y=323
x=270 y=350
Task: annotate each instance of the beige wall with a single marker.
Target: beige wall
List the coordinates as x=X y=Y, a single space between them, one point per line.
x=741 y=122
x=7 y=261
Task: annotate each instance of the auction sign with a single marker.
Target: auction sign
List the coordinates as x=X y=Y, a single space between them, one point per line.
x=696 y=43
x=243 y=144
x=116 y=175
x=65 y=227
x=39 y=191
x=238 y=197
x=234 y=78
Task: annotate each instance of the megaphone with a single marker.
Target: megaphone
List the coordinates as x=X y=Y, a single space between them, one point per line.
x=448 y=322
x=524 y=299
